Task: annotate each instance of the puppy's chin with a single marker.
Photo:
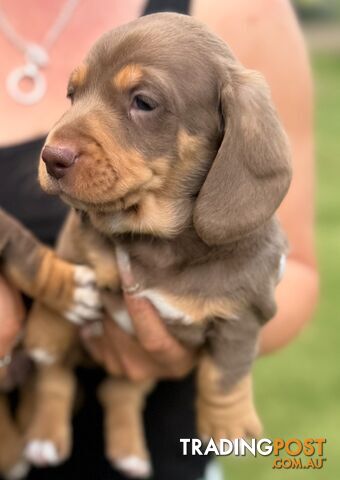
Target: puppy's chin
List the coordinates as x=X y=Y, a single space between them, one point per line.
x=49 y=184
x=152 y=215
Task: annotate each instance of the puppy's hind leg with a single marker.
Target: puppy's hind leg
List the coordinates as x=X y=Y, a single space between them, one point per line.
x=123 y=403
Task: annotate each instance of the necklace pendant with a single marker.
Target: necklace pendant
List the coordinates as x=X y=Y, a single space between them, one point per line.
x=29 y=71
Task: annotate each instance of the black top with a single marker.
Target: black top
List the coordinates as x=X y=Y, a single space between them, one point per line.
x=21 y=195
x=169 y=414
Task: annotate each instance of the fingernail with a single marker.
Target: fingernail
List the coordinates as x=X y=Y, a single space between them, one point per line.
x=123 y=259
x=94 y=329
x=124 y=267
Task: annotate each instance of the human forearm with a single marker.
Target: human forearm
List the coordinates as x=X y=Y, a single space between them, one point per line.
x=296 y=296
x=11 y=316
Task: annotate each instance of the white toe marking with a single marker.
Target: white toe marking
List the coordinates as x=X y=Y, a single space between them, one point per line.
x=87 y=296
x=82 y=313
x=73 y=317
x=41 y=356
x=19 y=471
x=134 y=466
x=40 y=452
x=123 y=320
x=84 y=275
x=50 y=453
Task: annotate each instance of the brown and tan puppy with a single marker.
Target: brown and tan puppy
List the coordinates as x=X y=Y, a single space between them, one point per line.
x=172 y=152
x=68 y=289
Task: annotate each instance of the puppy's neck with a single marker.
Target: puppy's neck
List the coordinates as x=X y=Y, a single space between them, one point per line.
x=153 y=215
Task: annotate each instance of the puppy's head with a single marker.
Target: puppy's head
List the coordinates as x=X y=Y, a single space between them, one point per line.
x=165 y=128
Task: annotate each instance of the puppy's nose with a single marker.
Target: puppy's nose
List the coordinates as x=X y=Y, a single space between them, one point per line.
x=58 y=160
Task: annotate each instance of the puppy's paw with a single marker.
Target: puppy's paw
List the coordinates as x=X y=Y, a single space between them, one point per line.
x=86 y=303
x=125 y=445
x=48 y=450
x=42 y=453
x=231 y=415
x=17 y=471
x=229 y=423
x=133 y=466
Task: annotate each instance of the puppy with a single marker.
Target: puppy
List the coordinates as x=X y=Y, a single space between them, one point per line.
x=68 y=289
x=172 y=152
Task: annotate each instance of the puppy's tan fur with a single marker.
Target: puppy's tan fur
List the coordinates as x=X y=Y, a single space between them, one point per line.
x=187 y=185
x=33 y=268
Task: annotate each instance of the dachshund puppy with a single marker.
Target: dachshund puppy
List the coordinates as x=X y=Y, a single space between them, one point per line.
x=172 y=153
x=68 y=289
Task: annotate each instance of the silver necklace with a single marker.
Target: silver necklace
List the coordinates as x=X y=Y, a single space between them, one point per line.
x=36 y=56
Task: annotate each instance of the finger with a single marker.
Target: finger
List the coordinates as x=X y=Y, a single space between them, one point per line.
x=153 y=335
x=148 y=324
x=139 y=364
x=135 y=361
x=125 y=271
x=100 y=348
x=149 y=327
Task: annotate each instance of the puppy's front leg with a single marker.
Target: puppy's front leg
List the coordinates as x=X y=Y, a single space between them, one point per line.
x=49 y=336
x=225 y=404
x=100 y=255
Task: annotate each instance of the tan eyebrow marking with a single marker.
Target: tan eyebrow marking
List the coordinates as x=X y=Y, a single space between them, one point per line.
x=78 y=76
x=128 y=76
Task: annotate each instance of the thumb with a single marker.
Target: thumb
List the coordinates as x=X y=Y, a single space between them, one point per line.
x=129 y=284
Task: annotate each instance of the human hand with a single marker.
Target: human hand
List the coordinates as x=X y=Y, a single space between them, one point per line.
x=153 y=353
x=12 y=313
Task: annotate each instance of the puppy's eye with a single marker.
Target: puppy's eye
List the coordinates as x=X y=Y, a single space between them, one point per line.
x=140 y=102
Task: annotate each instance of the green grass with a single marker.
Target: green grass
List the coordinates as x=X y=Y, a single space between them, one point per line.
x=298 y=389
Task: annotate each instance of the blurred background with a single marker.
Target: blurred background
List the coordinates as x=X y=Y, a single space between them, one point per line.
x=306 y=374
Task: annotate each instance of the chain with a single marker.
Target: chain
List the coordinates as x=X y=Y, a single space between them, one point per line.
x=51 y=36
x=36 y=56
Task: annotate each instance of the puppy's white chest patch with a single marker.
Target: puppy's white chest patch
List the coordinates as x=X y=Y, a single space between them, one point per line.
x=162 y=304
x=165 y=309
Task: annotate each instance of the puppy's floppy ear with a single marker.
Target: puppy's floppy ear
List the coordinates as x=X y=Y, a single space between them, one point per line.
x=251 y=172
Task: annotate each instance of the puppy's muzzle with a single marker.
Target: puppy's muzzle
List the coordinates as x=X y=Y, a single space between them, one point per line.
x=58 y=160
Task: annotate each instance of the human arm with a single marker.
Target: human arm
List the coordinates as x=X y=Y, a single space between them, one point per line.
x=12 y=313
x=265 y=36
